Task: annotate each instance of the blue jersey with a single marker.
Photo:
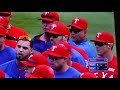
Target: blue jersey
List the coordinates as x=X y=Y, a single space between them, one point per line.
x=7 y=54
x=71 y=42
x=12 y=69
x=77 y=57
x=70 y=73
x=40 y=45
x=87 y=46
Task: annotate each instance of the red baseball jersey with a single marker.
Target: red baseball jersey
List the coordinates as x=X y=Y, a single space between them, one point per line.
x=112 y=70
x=79 y=67
x=14 y=32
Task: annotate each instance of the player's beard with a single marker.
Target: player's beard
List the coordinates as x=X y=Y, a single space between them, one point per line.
x=22 y=58
x=57 y=68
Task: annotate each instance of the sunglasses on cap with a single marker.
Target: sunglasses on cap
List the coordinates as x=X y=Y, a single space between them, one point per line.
x=45 y=21
x=25 y=37
x=75 y=30
x=100 y=43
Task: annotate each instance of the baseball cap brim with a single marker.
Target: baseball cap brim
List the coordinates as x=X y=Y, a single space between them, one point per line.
x=97 y=40
x=53 y=32
x=5 y=13
x=54 y=54
x=46 y=19
x=32 y=76
x=27 y=63
x=2 y=35
x=74 y=26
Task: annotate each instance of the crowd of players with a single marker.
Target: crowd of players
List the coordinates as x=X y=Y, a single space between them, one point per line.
x=61 y=51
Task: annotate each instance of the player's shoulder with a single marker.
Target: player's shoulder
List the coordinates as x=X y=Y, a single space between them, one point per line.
x=8 y=48
x=36 y=37
x=115 y=57
x=114 y=60
x=72 y=69
x=39 y=35
x=7 y=64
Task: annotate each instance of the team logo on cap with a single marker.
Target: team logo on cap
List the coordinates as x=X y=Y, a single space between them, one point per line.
x=98 y=34
x=76 y=20
x=53 y=26
x=31 y=60
x=46 y=13
x=54 y=47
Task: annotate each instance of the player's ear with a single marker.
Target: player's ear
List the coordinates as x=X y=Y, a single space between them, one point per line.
x=65 y=38
x=110 y=45
x=31 y=52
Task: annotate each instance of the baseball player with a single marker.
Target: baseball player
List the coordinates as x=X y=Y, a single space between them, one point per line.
x=104 y=43
x=81 y=68
x=78 y=29
x=59 y=56
x=59 y=32
x=41 y=42
x=13 y=32
x=41 y=71
x=14 y=68
x=6 y=53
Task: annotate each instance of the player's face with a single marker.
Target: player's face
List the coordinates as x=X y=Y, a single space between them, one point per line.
x=2 y=39
x=28 y=70
x=57 y=63
x=77 y=35
x=54 y=38
x=45 y=25
x=23 y=50
x=101 y=48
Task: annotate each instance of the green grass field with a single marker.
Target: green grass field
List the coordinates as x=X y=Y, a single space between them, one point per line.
x=98 y=21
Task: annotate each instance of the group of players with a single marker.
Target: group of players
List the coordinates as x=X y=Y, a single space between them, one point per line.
x=61 y=51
